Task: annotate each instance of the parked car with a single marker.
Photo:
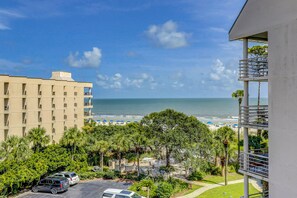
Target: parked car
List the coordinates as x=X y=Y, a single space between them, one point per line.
x=119 y=193
x=71 y=176
x=52 y=184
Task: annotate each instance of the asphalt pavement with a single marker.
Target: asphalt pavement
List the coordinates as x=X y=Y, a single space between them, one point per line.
x=89 y=189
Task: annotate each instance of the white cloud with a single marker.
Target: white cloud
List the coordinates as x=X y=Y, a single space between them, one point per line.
x=6 y=16
x=89 y=59
x=113 y=82
x=177 y=84
x=220 y=72
x=167 y=35
x=4 y=27
x=117 y=81
x=222 y=76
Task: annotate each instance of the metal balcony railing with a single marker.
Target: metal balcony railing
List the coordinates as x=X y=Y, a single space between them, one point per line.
x=87 y=114
x=88 y=104
x=255 y=164
x=254 y=116
x=253 y=69
x=88 y=93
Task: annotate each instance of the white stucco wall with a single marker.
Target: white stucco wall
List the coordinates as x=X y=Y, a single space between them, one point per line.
x=283 y=110
x=259 y=15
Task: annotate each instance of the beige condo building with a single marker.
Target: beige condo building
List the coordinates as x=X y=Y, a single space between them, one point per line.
x=56 y=104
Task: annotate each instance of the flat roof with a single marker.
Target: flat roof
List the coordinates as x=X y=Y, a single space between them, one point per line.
x=7 y=75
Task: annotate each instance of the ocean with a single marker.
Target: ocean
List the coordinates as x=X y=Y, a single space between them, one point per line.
x=217 y=110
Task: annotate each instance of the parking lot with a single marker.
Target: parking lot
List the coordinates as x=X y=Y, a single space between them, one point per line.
x=90 y=189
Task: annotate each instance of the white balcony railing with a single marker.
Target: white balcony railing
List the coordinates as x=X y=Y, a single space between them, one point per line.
x=255 y=164
x=254 y=116
x=253 y=69
x=88 y=104
x=87 y=114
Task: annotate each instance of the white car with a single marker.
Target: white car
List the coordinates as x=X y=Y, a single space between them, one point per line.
x=119 y=193
x=71 y=176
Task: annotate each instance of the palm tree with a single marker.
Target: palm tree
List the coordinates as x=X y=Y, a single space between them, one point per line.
x=121 y=143
x=102 y=147
x=72 y=139
x=238 y=94
x=15 y=148
x=38 y=138
x=224 y=136
x=138 y=140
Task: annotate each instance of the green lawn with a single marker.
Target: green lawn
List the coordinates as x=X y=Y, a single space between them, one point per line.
x=230 y=191
x=188 y=191
x=219 y=179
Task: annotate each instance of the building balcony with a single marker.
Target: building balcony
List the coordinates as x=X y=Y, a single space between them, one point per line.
x=88 y=105
x=255 y=164
x=24 y=107
x=87 y=115
x=253 y=69
x=6 y=123
x=254 y=116
x=88 y=94
x=6 y=108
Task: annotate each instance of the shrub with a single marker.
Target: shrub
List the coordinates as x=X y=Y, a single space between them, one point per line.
x=164 y=190
x=196 y=176
x=232 y=169
x=105 y=168
x=166 y=169
x=216 y=171
x=87 y=175
x=109 y=175
x=178 y=185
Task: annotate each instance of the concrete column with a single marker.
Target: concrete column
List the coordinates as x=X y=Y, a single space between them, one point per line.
x=245 y=129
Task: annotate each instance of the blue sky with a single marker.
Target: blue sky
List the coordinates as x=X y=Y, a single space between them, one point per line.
x=127 y=48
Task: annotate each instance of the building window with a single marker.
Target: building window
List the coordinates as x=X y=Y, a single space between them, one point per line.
x=24 y=91
x=24 y=104
x=5 y=134
x=6 y=104
x=6 y=90
x=6 y=120
x=24 y=131
x=39 y=90
x=24 y=118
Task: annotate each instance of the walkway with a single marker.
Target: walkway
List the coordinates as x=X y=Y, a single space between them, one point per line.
x=207 y=187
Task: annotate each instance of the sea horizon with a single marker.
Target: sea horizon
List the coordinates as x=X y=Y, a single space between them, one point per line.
x=216 y=110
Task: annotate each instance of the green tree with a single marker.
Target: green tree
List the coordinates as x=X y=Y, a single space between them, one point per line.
x=139 y=141
x=120 y=142
x=173 y=132
x=224 y=136
x=15 y=148
x=101 y=147
x=72 y=140
x=238 y=94
x=39 y=139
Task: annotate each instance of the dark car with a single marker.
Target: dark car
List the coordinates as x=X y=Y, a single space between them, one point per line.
x=52 y=184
